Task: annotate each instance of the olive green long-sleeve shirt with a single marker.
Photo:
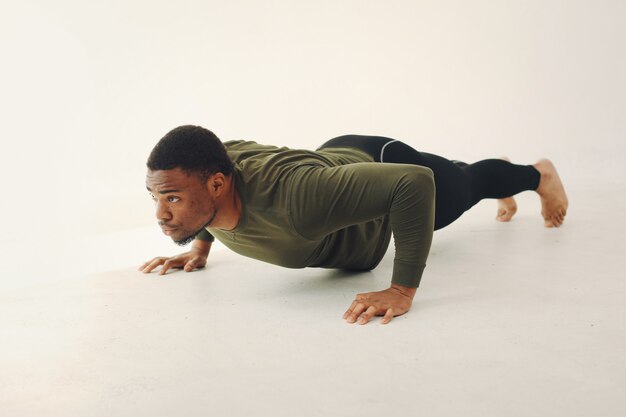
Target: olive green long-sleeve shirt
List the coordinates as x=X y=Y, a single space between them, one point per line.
x=333 y=208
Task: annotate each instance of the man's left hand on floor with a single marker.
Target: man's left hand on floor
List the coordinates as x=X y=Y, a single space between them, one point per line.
x=393 y=301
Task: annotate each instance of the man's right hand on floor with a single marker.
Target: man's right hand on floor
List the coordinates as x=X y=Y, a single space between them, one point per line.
x=194 y=259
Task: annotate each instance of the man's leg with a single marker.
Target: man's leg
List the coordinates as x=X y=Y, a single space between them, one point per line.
x=498 y=178
x=507 y=207
x=459 y=186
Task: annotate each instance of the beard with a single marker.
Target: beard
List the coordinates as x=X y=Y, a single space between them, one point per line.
x=188 y=239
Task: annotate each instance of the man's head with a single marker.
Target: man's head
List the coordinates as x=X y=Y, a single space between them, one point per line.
x=187 y=173
x=193 y=149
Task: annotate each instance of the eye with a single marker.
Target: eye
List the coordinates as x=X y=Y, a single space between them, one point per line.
x=152 y=197
x=173 y=199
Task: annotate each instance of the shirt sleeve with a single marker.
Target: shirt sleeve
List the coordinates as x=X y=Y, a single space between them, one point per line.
x=326 y=199
x=205 y=235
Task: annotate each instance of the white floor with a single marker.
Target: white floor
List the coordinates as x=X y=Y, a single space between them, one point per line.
x=511 y=320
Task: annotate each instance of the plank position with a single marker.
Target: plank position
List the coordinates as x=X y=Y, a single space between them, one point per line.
x=335 y=207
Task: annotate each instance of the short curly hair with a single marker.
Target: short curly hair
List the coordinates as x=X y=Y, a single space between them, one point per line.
x=194 y=149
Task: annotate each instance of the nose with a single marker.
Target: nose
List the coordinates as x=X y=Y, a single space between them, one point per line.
x=162 y=212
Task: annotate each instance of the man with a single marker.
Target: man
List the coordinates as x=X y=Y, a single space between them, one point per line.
x=333 y=208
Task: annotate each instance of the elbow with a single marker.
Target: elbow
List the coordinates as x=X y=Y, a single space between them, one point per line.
x=424 y=178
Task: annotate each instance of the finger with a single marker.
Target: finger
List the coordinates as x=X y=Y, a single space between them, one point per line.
x=387 y=317
x=367 y=316
x=354 y=303
x=143 y=265
x=195 y=263
x=167 y=265
x=190 y=266
x=153 y=264
x=358 y=309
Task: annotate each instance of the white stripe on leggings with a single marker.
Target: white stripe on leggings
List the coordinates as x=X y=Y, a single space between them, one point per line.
x=384 y=146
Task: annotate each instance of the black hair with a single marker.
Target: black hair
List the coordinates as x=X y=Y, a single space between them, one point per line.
x=194 y=149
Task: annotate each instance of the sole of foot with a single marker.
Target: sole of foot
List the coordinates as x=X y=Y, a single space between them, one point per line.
x=554 y=201
x=507 y=207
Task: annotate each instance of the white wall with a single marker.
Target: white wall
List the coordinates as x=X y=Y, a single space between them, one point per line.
x=89 y=87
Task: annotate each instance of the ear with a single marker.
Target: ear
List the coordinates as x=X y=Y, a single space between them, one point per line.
x=215 y=183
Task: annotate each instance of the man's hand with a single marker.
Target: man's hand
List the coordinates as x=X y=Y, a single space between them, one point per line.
x=188 y=261
x=393 y=301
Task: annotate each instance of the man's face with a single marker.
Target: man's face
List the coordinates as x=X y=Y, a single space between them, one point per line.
x=184 y=204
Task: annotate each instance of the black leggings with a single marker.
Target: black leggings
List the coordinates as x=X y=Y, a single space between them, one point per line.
x=458 y=185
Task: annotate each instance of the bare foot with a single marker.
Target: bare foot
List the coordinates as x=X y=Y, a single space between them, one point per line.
x=553 y=199
x=507 y=207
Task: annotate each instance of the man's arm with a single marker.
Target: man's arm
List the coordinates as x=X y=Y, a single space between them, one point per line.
x=342 y=196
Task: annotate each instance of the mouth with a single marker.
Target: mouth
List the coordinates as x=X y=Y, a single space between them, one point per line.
x=168 y=231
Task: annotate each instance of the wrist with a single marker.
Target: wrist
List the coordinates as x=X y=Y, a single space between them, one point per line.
x=407 y=291
x=201 y=247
